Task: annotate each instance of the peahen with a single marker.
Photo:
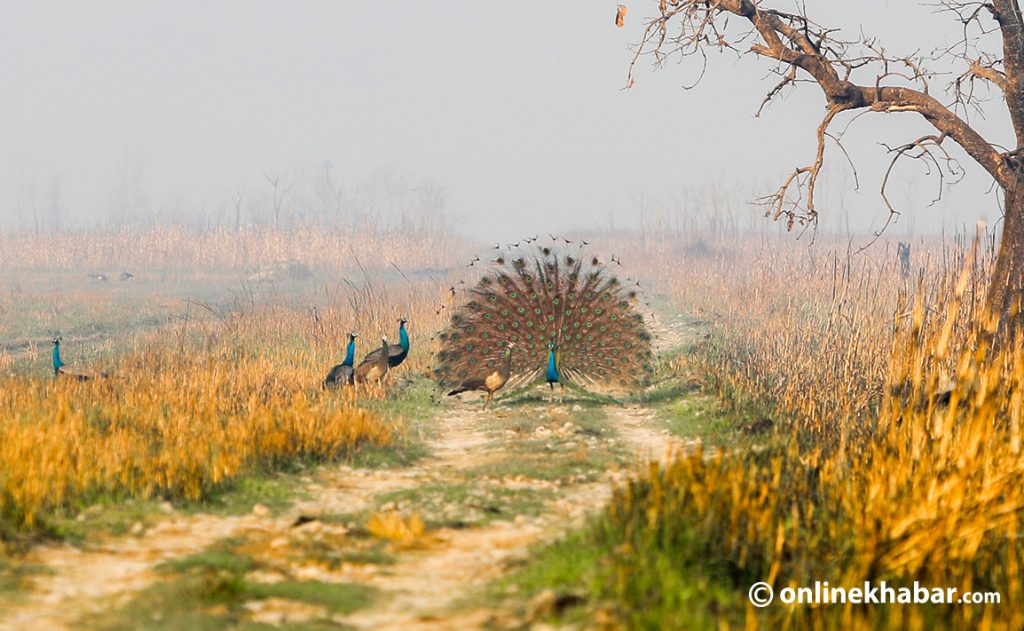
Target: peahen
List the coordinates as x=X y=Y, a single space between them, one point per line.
x=396 y=352
x=489 y=380
x=68 y=371
x=566 y=313
x=374 y=366
x=343 y=373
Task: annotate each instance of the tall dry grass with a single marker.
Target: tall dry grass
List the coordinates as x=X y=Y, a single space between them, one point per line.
x=810 y=329
x=217 y=394
x=173 y=248
x=871 y=476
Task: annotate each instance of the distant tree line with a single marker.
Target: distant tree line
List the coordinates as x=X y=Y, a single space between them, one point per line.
x=283 y=198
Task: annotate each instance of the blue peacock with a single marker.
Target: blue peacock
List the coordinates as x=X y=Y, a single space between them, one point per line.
x=62 y=370
x=551 y=375
x=343 y=373
x=571 y=320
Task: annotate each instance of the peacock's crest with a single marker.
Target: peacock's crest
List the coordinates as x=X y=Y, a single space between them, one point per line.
x=571 y=300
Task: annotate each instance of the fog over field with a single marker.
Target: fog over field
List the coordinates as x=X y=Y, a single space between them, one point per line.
x=391 y=316
x=509 y=117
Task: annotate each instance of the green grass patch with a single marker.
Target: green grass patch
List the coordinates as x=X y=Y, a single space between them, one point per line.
x=700 y=417
x=104 y=518
x=467 y=505
x=218 y=558
x=562 y=566
x=539 y=461
x=665 y=577
x=568 y=567
x=358 y=548
x=343 y=598
x=413 y=407
x=16 y=577
x=682 y=403
x=118 y=516
x=276 y=491
x=210 y=590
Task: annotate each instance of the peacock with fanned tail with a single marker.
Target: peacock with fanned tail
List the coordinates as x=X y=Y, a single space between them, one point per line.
x=571 y=319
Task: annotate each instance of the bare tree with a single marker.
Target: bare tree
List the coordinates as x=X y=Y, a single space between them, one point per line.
x=282 y=186
x=237 y=196
x=859 y=76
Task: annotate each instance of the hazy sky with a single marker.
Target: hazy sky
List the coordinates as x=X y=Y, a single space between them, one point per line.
x=514 y=108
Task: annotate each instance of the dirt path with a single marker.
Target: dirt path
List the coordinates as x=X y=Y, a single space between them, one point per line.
x=426 y=583
x=83 y=581
x=419 y=589
x=637 y=424
x=468 y=560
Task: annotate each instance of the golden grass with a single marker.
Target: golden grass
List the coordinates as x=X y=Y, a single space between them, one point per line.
x=871 y=478
x=222 y=391
x=810 y=329
x=167 y=425
x=191 y=405
x=400 y=530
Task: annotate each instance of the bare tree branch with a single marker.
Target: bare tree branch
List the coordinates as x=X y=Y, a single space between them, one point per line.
x=803 y=48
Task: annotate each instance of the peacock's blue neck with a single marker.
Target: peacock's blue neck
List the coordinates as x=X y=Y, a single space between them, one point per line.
x=403 y=336
x=552 y=367
x=57 y=363
x=350 y=354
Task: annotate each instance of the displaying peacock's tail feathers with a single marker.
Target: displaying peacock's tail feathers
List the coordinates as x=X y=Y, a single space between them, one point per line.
x=532 y=300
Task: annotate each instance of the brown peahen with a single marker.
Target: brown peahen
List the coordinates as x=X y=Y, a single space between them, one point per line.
x=374 y=366
x=489 y=380
x=396 y=352
x=567 y=314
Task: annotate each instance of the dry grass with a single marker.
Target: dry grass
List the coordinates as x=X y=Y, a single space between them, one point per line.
x=168 y=424
x=221 y=393
x=810 y=330
x=182 y=248
x=401 y=531
x=871 y=477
